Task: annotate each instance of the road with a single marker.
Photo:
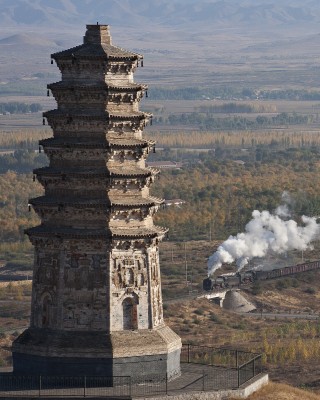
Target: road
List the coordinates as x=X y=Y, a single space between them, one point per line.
x=281 y=315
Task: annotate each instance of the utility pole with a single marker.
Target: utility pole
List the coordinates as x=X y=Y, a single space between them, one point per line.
x=186 y=262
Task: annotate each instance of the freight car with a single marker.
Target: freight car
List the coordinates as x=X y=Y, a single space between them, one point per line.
x=279 y=272
x=242 y=278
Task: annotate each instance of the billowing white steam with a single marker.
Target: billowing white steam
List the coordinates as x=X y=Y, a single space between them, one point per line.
x=265 y=232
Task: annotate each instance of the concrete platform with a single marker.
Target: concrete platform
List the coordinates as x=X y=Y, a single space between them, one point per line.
x=197 y=381
x=140 y=354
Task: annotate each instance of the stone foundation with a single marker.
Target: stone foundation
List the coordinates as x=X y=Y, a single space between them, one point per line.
x=143 y=355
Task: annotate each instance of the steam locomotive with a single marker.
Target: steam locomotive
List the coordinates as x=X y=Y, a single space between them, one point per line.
x=243 y=278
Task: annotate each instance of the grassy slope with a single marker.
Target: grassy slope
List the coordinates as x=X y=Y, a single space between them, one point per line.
x=277 y=391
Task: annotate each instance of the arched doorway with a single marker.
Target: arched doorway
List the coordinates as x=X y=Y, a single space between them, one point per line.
x=130 y=315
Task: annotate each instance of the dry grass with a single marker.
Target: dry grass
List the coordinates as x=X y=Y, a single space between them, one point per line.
x=15 y=284
x=280 y=391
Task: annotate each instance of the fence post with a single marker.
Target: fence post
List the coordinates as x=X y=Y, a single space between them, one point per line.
x=203 y=380
x=254 y=367
x=238 y=376
x=166 y=383
x=237 y=359
x=130 y=388
x=39 y=385
x=188 y=353
x=84 y=386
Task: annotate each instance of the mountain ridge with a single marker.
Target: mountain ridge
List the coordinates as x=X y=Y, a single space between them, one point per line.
x=174 y=13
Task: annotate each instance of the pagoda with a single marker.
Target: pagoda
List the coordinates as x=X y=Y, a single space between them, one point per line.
x=96 y=295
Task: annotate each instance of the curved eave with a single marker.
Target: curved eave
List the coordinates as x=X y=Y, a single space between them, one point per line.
x=132 y=143
x=135 y=203
x=138 y=233
x=96 y=52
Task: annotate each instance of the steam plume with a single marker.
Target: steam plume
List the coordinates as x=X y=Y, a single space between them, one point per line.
x=263 y=233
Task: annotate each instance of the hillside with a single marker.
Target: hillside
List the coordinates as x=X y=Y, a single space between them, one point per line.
x=276 y=391
x=27 y=39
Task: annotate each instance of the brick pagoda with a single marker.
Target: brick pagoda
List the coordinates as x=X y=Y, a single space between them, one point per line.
x=96 y=295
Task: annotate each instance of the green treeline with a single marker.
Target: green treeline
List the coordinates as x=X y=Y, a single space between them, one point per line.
x=221 y=194
x=205 y=121
x=231 y=93
x=22 y=161
x=19 y=108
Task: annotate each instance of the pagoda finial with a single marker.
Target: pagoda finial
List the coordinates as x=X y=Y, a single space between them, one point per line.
x=97 y=34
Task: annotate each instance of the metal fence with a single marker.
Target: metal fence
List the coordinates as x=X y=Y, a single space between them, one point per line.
x=215 y=356
x=242 y=364
x=202 y=369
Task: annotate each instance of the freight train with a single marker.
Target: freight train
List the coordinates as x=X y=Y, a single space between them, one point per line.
x=242 y=278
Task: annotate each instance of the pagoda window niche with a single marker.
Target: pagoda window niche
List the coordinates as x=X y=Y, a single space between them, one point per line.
x=130 y=314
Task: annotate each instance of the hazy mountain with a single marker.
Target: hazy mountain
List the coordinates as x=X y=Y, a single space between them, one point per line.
x=173 y=13
x=27 y=39
x=169 y=33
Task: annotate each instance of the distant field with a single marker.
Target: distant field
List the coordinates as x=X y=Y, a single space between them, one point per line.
x=163 y=109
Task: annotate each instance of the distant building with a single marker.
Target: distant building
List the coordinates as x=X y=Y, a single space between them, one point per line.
x=240 y=162
x=174 y=202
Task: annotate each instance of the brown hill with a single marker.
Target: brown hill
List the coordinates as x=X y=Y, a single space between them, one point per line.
x=29 y=39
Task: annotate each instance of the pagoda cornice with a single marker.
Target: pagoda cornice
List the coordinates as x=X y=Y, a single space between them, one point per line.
x=51 y=171
x=71 y=202
x=102 y=116
x=112 y=233
x=108 y=202
x=130 y=115
x=103 y=172
x=60 y=232
x=105 y=144
x=104 y=86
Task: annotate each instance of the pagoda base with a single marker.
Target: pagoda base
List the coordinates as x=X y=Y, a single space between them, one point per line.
x=142 y=354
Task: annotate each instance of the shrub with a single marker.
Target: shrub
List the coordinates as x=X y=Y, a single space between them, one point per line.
x=215 y=318
x=199 y=311
x=310 y=290
x=256 y=288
